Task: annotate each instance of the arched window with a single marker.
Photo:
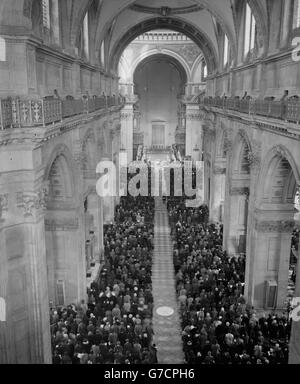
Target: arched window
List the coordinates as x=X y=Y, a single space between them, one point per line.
x=204 y=70
x=226 y=50
x=2 y=310
x=250 y=31
x=296 y=19
x=2 y=49
x=102 y=54
x=54 y=20
x=51 y=17
x=85 y=35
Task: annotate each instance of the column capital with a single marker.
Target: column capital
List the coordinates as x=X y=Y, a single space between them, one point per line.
x=3 y=206
x=33 y=203
x=236 y=191
x=62 y=224
x=219 y=170
x=283 y=226
x=194 y=116
x=126 y=115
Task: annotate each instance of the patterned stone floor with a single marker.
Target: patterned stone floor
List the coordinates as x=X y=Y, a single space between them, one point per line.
x=167 y=330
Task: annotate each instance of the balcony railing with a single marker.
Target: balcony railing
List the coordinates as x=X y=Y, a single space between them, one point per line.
x=21 y=112
x=287 y=110
x=158 y=148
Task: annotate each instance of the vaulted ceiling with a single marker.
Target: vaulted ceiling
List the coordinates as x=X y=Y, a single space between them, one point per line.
x=119 y=21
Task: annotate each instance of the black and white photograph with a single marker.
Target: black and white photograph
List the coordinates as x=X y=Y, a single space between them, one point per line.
x=150 y=185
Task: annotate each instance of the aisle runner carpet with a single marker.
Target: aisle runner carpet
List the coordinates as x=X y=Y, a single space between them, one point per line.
x=166 y=323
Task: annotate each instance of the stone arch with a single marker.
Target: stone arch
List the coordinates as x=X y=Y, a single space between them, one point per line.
x=182 y=71
x=237 y=196
x=272 y=226
x=212 y=8
x=221 y=142
x=191 y=31
x=195 y=68
x=240 y=160
x=278 y=164
x=64 y=234
x=163 y=52
x=78 y=14
x=36 y=16
x=261 y=18
x=60 y=176
x=89 y=150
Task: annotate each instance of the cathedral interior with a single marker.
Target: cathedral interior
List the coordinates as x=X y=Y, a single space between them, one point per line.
x=87 y=278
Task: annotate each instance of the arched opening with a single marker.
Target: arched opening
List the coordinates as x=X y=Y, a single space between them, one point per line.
x=89 y=156
x=268 y=275
x=64 y=243
x=236 y=222
x=188 y=30
x=90 y=235
x=279 y=196
x=159 y=84
x=160 y=70
x=218 y=175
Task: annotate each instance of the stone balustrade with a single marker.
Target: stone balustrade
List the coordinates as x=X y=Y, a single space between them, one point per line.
x=158 y=36
x=287 y=110
x=25 y=112
x=158 y=148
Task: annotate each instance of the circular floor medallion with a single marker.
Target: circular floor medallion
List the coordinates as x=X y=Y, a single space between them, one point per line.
x=165 y=311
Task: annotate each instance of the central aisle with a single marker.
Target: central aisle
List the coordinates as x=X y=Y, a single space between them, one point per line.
x=166 y=323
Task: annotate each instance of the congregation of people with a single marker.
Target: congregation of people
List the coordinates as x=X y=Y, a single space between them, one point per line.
x=218 y=326
x=115 y=325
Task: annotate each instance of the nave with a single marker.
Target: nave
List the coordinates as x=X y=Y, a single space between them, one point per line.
x=146 y=308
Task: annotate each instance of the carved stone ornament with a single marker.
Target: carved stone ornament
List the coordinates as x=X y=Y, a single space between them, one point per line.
x=67 y=224
x=3 y=204
x=227 y=145
x=275 y=226
x=81 y=160
x=126 y=115
x=219 y=170
x=193 y=116
x=279 y=151
x=297 y=199
x=254 y=159
x=236 y=191
x=32 y=202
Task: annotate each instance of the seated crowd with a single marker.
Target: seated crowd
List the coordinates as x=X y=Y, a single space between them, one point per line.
x=115 y=326
x=219 y=327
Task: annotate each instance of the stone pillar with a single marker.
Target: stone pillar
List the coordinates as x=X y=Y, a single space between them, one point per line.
x=235 y=220
x=254 y=158
x=217 y=194
x=96 y=209
x=294 y=348
x=194 y=132
x=55 y=22
x=25 y=333
x=287 y=21
x=65 y=239
x=108 y=202
x=18 y=74
x=116 y=144
x=127 y=131
x=270 y=252
x=76 y=80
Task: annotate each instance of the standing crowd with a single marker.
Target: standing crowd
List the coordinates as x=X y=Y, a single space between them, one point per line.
x=219 y=327
x=115 y=325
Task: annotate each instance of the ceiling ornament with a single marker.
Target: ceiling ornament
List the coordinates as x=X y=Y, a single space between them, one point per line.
x=166 y=11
